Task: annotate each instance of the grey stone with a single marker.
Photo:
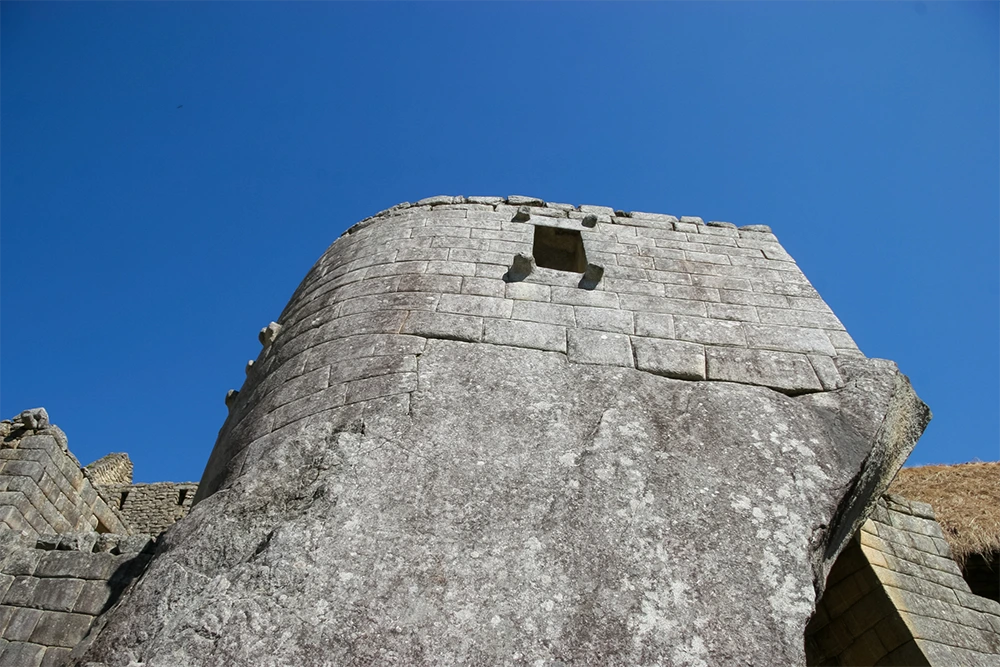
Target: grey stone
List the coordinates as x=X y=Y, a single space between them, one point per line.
x=521 y=200
x=596 y=347
x=604 y=319
x=268 y=334
x=467 y=304
x=566 y=478
x=589 y=220
x=439 y=199
x=248 y=367
x=57 y=628
x=591 y=277
x=444 y=325
x=22 y=654
x=597 y=210
x=525 y=334
x=755 y=228
x=709 y=332
x=485 y=200
x=670 y=358
x=520 y=268
x=34 y=419
x=56 y=594
x=784 y=371
x=523 y=214
x=789 y=339
x=723 y=225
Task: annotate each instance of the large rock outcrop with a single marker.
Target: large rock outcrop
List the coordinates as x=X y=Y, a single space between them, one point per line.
x=434 y=461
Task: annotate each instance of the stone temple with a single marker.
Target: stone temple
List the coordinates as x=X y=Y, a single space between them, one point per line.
x=501 y=431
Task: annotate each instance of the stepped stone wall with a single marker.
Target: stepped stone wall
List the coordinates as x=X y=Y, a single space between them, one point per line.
x=52 y=591
x=896 y=597
x=42 y=487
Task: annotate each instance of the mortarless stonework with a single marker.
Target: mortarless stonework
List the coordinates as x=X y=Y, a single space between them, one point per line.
x=430 y=464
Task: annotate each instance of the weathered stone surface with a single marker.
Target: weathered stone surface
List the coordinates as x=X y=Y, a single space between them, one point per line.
x=523 y=508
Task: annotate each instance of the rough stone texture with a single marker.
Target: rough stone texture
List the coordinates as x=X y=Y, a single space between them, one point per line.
x=429 y=479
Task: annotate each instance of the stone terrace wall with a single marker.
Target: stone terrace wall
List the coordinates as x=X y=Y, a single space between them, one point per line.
x=678 y=298
x=152 y=508
x=42 y=487
x=52 y=595
x=896 y=597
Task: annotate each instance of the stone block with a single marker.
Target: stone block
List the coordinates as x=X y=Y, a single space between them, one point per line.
x=12 y=518
x=522 y=200
x=31 y=469
x=731 y=311
x=56 y=594
x=57 y=628
x=484 y=287
x=789 y=339
x=604 y=319
x=451 y=268
x=21 y=624
x=359 y=368
x=525 y=334
x=784 y=371
x=826 y=371
x=480 y=306
x=444 y=325
x=654 y=325
x=94 y=595
x=77 y=565
x=744 y=298
x=429 y=283
x=653 y=304
x=674 y=359
x=21 y=591
x=528 y=292
x=709 y=332
x=56 y=657
x=5 y=581
x=574 y=296
x=22 y=654
x=383 y=385
x=6 y=611
x=798 y=318
x=22 y=562
x=595 y=347
x=544 y=313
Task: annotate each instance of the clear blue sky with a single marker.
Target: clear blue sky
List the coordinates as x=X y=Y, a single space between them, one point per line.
x=144 y=245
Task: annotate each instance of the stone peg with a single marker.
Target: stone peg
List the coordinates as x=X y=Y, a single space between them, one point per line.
x=523 y=214
x=590 y=220
x=249 y=366
x=231 y=397
x=592 y=276
x=268 y=334
x=520 y=268
x=33 y=419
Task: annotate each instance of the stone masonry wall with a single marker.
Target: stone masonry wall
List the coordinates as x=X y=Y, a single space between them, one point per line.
x=151 y=508
x=114 y=468
x=678 y=298
x=896 y=597
x=43 y=489
x=52 y=595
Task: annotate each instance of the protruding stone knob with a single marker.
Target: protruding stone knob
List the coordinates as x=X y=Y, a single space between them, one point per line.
x=520 y=268
x=249 y=366
x=523 y=214
x=590 y=220
x=268 y=334
x=592 y=276
x=231 y=397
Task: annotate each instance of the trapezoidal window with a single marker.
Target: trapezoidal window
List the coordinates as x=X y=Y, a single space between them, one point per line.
x=559 y=249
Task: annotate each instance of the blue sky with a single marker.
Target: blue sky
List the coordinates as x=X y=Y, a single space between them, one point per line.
x=142 y=245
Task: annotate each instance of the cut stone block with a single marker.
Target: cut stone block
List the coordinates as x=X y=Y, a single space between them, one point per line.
x=784 y=371
x=670 y=358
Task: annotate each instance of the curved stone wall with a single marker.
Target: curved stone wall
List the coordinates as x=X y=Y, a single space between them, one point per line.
x=453 y=451
x=678 y=298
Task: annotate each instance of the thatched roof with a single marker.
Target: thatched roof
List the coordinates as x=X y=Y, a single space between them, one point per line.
x=965 y=498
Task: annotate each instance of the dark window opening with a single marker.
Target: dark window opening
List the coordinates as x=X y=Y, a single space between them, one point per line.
x=559 y=249
x=181 y=496
x=982 y=573
x=121 y=503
